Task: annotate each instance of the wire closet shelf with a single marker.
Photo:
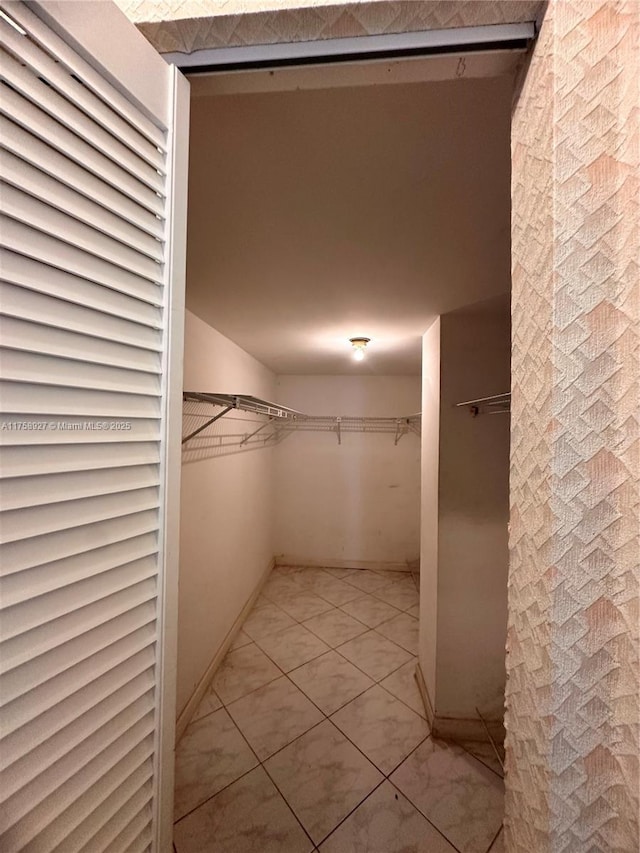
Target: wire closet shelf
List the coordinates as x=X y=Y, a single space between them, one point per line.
x=282 y=419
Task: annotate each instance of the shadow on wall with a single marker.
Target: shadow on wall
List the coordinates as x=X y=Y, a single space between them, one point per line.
x=228 y=436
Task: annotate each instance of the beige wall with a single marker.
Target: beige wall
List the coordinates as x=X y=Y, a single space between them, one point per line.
x=573 y=685
x=357 y=502
x=226 y=536
x=464 y=517
x=473 y=514
x=187 y=25
x=429 y=505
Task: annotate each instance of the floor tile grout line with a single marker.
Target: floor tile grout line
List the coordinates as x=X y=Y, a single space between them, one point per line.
x=477 y=758
x=366 y=757
x=429 y=821
x=317 y=706
x=377 y=681
x=285 y=675
x=297 y=666
x=271 y=680
x=411 y=803
x=386 y=775
x=355 y=808
x=327 y=716
x=402 y=760
x=388 y=582
x=225 y=704
x=395 y=641
x=338 y=610
x=297 y=737
x=327 y=719
x=340 y=607
x=495 y=838
x=393 y=695
x=331 y=605
x=417 y=807
x=336 y=648
x=208 y=799
x=251 y=749
x=261 y=764
x=286 y=801
x=396 y=698
x=410 y=753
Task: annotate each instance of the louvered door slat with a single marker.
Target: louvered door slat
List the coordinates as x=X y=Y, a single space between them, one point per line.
x=134 y=838
x=25 y=586
x=27 y=460
x=45 y=98
x=15 y=775
x=61 y=688
x=16 y=172
x=32 y=794
x=74 y=293
x=27 y=553
x=55 y=46
x=22 y=619
x=89 y=429
x=45 y=66
x=86 y=790
x=23 y=112
x=56 y=223
x=125 y=808
x=35 y=338
x=139 y=623
x=34 y=398
x=34 y=151
x=73 y=720
x=87 y=377
x=20 y=492
x=29 y=367
x=35 y=244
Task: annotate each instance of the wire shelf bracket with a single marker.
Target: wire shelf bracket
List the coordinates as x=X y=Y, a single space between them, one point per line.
x=286 y=420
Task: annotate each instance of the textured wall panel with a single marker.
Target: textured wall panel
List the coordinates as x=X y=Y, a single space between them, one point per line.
x=573 y=692
x=187 y=25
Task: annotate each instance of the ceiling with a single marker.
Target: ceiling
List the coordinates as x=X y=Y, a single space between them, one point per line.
x=318 y=215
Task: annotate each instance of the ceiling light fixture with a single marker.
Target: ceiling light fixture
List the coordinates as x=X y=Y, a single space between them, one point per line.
x=359 y=345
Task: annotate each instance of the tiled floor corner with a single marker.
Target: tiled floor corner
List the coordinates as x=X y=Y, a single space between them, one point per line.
x=312 y=736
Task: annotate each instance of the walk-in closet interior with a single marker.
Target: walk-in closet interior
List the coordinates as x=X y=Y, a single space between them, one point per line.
x=343 y=550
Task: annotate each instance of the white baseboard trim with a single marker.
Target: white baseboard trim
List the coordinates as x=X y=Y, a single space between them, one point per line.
x=288 y=560
x=459 y=728
x=184 y=718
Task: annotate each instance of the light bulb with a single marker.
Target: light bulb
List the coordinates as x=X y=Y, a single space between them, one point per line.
x=359 y=345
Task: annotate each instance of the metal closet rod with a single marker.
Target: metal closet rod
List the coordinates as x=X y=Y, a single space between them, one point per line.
x=493 y=405
x=294 y=419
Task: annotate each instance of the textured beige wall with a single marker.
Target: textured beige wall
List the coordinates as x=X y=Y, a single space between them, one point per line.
x=188 y=25
x=573 y=689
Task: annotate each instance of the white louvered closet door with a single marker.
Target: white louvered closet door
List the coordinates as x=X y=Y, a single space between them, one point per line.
x=93 y=171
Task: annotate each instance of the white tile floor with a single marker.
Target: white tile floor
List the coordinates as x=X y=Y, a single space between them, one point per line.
x=312 y=736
